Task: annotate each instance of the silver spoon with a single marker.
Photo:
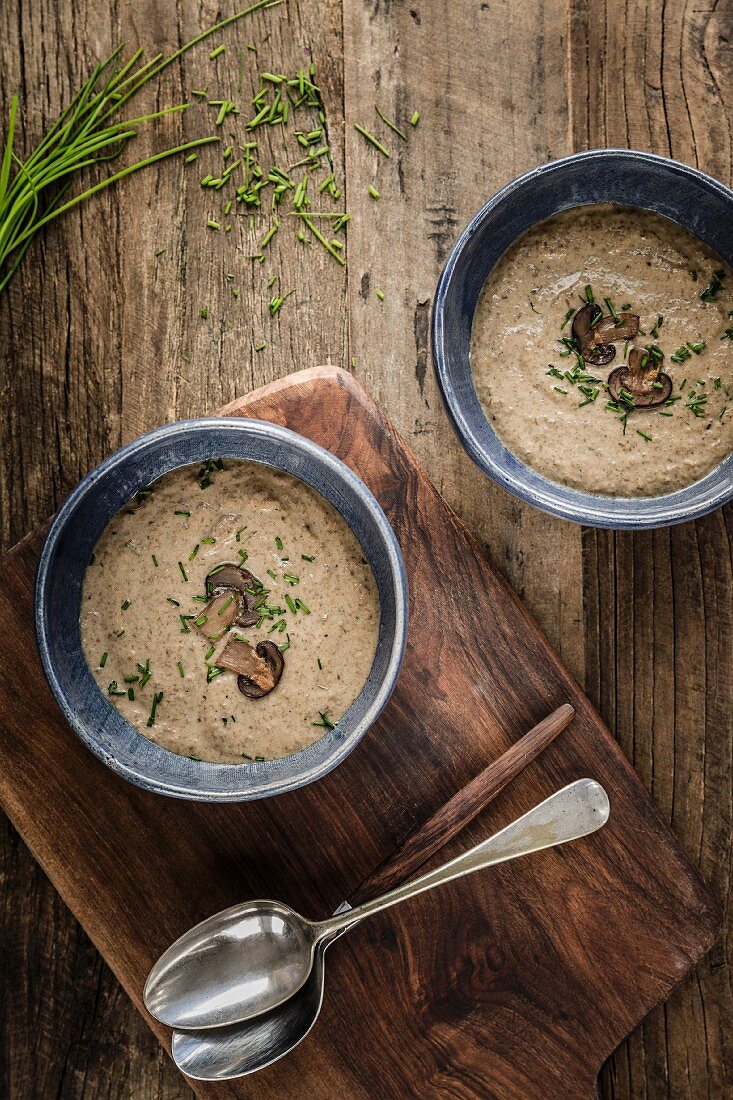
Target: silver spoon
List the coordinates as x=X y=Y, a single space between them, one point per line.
x=248 y=959
x=223 y=1053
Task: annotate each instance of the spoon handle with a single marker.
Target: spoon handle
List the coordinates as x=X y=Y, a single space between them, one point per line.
x=455 y=814
x=575 y=811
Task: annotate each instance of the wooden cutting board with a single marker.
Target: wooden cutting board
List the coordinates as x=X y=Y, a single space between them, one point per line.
x=514 y=983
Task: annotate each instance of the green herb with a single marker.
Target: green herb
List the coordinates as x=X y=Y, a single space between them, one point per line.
x=131 y=694
x=194 y=552
x=285 y=645
x=216 y=53
x=612 y=309
x=392 y=126
x=318 y=660
x=681 y=355
x=184 y=574
x=291 y=606
x=193 y=757
x=212 y=671
x=415 y=118
x=155 y=560
x=714 y=287
x=380 y=295
x=291 y=578
x=306 y=557
x=114 y=689
x=260 y=347
x=182 y=512
x=145 y=672
x=697 y=348
x=209 y=652
x=373 y=192
x=301 y=606
x=644 y=435
x=227 y=603
x=203 y=313
x=126 y=604
x=559 y=389
x=727 y=334
x=174 y=602
x=211 y=224
x=324 y=721
x=276 y=302
x=658 y=324
x=239 y=532
x=370 y=138
x=103 y=660
x=157 y=700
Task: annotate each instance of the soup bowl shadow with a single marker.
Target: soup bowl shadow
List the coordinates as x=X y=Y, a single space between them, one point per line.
x=688 y=197
x=68 y=547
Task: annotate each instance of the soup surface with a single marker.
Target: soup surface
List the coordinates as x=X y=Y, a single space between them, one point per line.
x=305 y=600
x=552 y=407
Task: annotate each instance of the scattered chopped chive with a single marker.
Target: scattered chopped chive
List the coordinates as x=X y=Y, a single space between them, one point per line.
x=611 y=309
x=191 y=158
x=212 y=672
x=318 y=659
x=227 y=603
x=697 y=348
x=566 y=318
x=644 y=435
x=373 y=192
x=181 y=670
x=239 y=532
x=245 y=756
x=194 y=552
x=157 y=699
x=588 y=295
x=243 y=556
x=270 y=234
x=208 y=541
x=392 y=126
x=307 y=557
x=131 y=694
x=203 y=313
x=272 y=573
x=155 y=560
x=182 y=513
x=278 y=542
x=126 y=604
x=260 y=347
x=559 y=389
x=714 y=287
x=415 y=118
x=201 y=620
x=192 y=756
x=324 y=721
x=380 y=295
x=285 y=645
x=212 y=224
x=215 y=53
x=174 y=602
x=291 y=606
x=301 y=606
x=114 y=689
x=184 y=574
x=103 y=660
x=291 y=578
x=209 y=652
x=371 y=138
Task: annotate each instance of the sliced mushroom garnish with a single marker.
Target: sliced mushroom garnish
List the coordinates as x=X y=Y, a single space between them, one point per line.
x=219 y=614
x=642 y=379
x=595 y=334
x=258 y=668
x=230 y=577
x=625 y=326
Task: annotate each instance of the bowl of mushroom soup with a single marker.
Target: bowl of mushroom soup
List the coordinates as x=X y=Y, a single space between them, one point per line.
x=221 y=610
x=583 y=339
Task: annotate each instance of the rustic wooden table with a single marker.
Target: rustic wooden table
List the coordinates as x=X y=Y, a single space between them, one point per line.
x=102 y=328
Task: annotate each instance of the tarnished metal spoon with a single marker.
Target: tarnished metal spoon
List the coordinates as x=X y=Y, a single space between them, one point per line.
x=250 y=958
x=220 y=1054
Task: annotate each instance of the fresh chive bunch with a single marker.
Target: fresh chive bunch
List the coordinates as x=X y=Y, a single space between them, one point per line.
x=86 y=134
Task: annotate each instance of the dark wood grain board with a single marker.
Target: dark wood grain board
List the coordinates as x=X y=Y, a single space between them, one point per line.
x=515 y=983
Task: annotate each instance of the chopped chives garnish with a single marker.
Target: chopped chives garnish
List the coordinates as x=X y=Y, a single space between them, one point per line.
x=325 y=721
x=260 y=347
x=155 y=560
x=239 y=532
x=157 y=699
x=318 y=659
x=278 y=542
x=371 y=138
x=301 y=606
x=307 y=557
x=103 y=660
x=208 y=541
x=392 y=126
x=194 y=552
x=174 y=602
x=285 y=645
x=114 y=689
x=209 y=652
x=182 y=512
x=373 y=192
x=181 y=671
x=211 y=224
x=291 y=578
x=184 y=574
x=644 y=435
x=191 y=158
x=126 y=604
x=380 y=295
x=131 y=694
x=227 y=603
x=415 y=118
x=215 y=53
x=291 y=606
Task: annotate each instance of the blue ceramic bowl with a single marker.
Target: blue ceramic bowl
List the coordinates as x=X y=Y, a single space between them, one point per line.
x=73 y=535
x=688 y=197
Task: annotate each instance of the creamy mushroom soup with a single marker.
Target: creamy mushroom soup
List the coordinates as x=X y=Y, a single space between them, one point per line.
x=601 y=352
x=229 y=614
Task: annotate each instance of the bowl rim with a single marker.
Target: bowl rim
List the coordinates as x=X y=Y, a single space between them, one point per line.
x=590 y=509
x=264 y=778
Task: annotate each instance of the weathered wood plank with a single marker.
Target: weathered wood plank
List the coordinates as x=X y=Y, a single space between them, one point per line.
x=659 y=643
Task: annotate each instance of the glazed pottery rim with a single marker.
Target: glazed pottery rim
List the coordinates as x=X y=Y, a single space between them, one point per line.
x=178 y=776
x=690 y=502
